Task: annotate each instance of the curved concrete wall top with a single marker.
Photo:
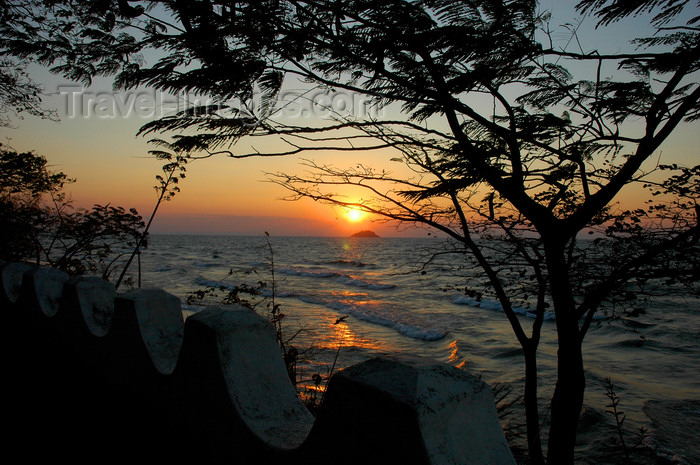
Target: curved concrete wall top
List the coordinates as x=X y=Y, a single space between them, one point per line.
x=11 y=280
x=47 y=285
x=159 y=317
x=95 y=300
x=221 y=374
x=255 y=376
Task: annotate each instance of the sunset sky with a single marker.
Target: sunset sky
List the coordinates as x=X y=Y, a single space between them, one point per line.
x=222 y=196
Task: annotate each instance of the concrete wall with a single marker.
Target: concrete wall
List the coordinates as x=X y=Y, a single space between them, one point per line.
x=93 y=376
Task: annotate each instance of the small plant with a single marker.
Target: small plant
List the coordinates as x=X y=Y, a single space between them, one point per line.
x=311 y=399
x=264 y=295
x=226 y=294
x=173 y=170
x=505 y=401
x=619 y=416
x=254 y=297
x=290 y=354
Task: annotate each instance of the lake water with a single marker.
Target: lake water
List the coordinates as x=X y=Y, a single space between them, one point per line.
x=653 y=363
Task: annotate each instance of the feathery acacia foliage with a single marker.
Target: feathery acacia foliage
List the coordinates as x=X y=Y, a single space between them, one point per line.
x=542 y=162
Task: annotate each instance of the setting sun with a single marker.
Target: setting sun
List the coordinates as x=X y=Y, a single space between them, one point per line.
x=354 y=214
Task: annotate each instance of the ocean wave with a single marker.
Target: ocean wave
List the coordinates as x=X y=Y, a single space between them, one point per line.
x=380 y=316
x=210 y=283
x=674 y=429
x=358 y=282
x=494 y=305
x=307 y=272
x=162 y=269
x=205 y=264
x=342 y=278
x=229 y=286
x=356 y=263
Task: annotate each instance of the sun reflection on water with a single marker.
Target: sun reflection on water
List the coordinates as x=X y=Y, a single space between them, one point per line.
x=340 y=334
x=456 y=357
x=333 y=347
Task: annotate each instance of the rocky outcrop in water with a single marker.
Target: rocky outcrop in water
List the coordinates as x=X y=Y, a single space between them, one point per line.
x=365 y=233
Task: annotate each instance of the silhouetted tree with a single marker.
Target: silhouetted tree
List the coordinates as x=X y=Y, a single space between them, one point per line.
x=19 y=95
x=25 y=179
x=543 y=160
x=38 y=222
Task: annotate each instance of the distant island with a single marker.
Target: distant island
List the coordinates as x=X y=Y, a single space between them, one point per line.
x=365 y=233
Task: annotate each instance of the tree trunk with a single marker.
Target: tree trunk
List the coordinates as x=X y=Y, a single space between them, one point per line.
x=534 y=441
x=566 y=404
x=571 y=383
